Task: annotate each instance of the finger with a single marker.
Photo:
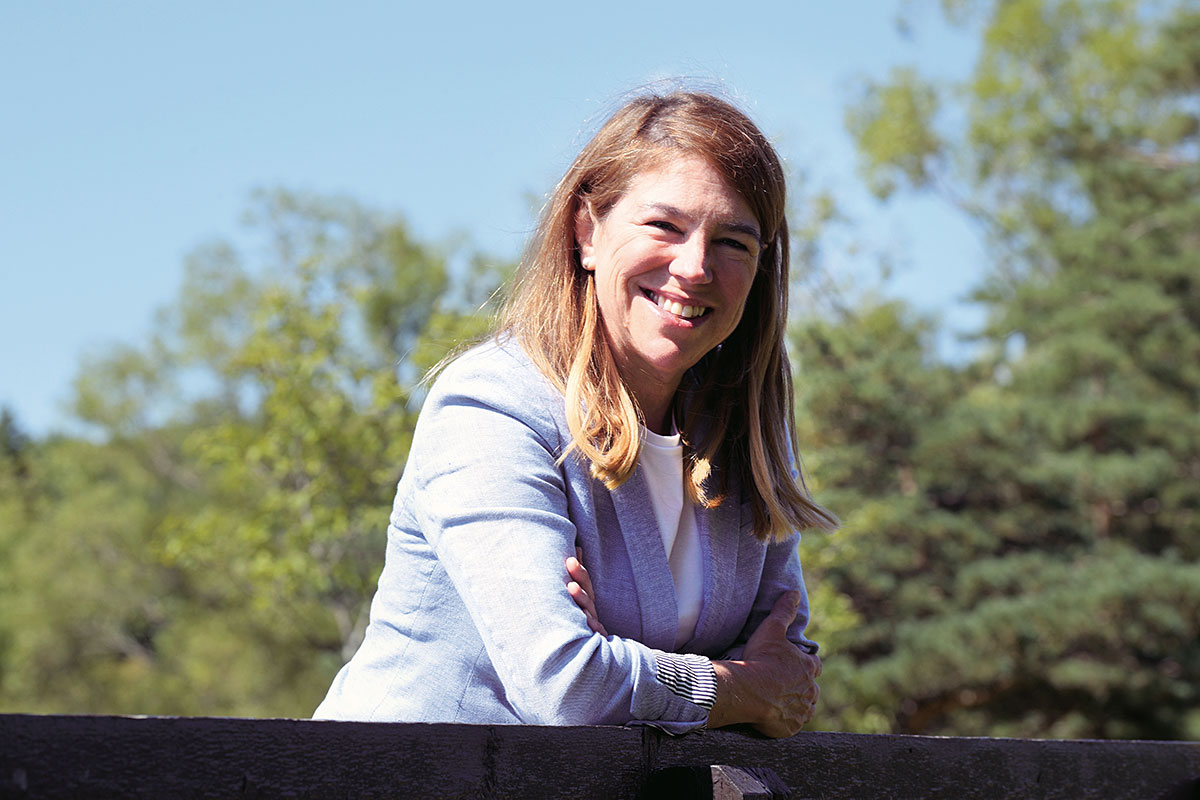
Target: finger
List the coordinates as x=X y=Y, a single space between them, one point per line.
x=575 y=571
x=575 y=566
x=583 y=594
x=783 y=613
x=582 y=599
x=816 y=665
x=579 y=574
x=585 y=603
x=810 y=704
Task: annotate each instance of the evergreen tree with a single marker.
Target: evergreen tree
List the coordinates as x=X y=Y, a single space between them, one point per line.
x=869 y=389
x=1070 y=604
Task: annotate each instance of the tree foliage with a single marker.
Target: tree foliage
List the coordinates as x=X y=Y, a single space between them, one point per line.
x=215 y=550
x=1043 y=575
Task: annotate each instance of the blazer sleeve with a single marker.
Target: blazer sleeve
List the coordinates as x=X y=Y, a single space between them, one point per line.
x=781 y=573
x=490 y=496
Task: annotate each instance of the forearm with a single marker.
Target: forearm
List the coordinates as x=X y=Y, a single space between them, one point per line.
x=737 y=700
x=774 y=688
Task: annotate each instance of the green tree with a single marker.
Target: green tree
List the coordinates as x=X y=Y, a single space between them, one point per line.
x=1069 y=602
x=869 y=390
x=83 y=600
x=215 y=550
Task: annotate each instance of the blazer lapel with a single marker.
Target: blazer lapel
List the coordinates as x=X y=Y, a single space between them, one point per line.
x=648 y=559
x=720 y=538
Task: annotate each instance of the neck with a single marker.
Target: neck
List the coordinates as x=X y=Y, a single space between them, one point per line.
x=654 y=398
x=659 y=423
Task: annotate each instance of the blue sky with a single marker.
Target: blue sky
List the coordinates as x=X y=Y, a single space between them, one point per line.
x=133 y=132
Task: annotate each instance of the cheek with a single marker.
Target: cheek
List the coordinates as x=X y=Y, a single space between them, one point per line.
x=738 y=293
x=638 y=258
x=610 y=293
x=738 y=289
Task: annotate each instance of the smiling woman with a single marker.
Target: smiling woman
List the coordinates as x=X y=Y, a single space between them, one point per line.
x=632 y=408
x=673 y=263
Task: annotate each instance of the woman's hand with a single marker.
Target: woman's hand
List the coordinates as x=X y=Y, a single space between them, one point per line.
x=774 y=686
x=580 y=588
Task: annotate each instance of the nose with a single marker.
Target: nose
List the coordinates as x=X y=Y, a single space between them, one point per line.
x=691 y=261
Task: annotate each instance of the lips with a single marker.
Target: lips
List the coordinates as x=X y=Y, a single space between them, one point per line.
x=675 y=307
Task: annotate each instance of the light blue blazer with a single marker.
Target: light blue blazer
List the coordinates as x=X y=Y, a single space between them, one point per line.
x=472 y=621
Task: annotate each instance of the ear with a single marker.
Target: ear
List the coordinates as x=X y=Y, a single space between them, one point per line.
x=585 y=229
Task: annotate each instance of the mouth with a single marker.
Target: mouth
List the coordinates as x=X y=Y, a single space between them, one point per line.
x=676 y=308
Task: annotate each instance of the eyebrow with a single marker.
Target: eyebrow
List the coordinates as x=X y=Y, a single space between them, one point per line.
x=733 y=227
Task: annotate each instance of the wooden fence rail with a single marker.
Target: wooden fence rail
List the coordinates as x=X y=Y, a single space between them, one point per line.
x=168 y=757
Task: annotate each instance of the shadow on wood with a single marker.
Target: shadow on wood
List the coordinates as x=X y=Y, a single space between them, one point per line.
x=716 y=782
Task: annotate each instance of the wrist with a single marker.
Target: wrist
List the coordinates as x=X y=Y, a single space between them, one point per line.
x=735 y=701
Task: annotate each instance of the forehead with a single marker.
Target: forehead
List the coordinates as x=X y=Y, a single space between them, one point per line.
x=692 y=186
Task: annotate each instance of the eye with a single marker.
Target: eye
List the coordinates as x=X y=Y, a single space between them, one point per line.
x=662 y=224
x=740 y=248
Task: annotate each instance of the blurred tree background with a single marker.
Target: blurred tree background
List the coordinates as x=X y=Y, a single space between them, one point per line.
x=214 y=550
x=1021 y=551
x=1021 y=547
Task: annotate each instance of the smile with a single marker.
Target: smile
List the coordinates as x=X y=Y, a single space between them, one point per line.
x=678 y=309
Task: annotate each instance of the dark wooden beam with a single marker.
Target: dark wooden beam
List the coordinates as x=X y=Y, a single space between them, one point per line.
x=49 y=757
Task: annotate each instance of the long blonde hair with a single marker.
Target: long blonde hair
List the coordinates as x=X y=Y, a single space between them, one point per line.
x=735 y=405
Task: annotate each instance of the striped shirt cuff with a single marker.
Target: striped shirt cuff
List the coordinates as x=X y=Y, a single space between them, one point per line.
x=689 y=676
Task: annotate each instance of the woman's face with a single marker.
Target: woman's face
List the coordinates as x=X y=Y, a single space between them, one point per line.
x=673 y=260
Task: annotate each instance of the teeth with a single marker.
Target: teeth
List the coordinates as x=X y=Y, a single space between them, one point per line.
x=678 y=309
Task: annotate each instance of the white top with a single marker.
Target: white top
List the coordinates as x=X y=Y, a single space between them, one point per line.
x=662 y=461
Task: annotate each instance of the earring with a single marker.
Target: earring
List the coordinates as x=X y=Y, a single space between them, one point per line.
x=588 y=263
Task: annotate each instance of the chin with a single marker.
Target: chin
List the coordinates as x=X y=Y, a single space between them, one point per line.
x=675 y=363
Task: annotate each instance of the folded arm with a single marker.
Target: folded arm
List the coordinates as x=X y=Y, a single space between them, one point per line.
x=490 y=496
x=768 y=680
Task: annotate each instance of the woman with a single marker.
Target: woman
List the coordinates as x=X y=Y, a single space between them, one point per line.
x=634 y=405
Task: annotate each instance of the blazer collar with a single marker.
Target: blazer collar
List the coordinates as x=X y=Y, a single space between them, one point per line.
x=720 y=538
x=651 y=572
